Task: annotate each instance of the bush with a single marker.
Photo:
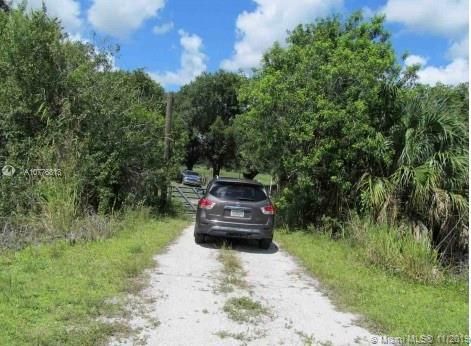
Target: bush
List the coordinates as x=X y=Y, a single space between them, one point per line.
x=396 y=250
x=65 y=108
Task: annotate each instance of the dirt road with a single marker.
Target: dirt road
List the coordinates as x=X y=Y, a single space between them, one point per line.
x=210 y=295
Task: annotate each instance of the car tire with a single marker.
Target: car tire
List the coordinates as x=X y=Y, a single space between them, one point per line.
x=200 y=238
x=264 y=243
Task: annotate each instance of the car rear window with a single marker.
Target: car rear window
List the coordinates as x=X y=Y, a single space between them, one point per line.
x=238 y=192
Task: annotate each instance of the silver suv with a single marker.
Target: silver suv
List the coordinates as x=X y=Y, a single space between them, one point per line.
x=235 y=208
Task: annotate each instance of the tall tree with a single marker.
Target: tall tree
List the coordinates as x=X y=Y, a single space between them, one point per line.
x=314 y=113
x=63 y=106
x=208 y=105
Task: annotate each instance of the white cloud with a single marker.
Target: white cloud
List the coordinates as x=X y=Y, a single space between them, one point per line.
x=77 y=37
x=68 y=11
x=192 y=62
x=453 y=73
x=121 y=17
x=446 y=18
x=162 y=29
x=414 y=60
x=268 y=23
x=459 y=49
x=443 y=17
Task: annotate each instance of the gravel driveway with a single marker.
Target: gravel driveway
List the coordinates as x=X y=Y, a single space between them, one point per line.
x=210 y=295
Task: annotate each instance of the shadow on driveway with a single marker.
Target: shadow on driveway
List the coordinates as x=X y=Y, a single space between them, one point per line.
x=241 y=245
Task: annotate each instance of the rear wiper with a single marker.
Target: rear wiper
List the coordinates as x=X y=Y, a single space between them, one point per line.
x=245 y=199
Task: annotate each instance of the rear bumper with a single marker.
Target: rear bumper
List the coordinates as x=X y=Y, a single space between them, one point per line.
x=233 y=230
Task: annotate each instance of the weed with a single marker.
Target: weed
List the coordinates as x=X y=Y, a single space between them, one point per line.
x=396 y=250
x=242 y=336
x=307 y=340
x=244 y=309
x=232 y=270
x=223 y=334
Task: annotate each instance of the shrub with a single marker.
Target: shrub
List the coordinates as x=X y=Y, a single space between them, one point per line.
x=396 y=250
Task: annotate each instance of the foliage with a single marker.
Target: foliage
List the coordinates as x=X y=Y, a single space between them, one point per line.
x=311 y=113
x=343 y=128
x=63 y=106
x=395 y=250
x=220 y=145
x=428 y=182
x=207 y=106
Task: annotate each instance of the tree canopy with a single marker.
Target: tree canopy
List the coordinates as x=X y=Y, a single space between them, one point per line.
x=344 y=128
x=63 y=106
x=208 y=106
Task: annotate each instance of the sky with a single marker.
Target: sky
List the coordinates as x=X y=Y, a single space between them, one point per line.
x=174 y=41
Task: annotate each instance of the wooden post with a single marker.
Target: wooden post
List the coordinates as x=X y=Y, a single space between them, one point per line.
x=167 y=133
x=168 y=126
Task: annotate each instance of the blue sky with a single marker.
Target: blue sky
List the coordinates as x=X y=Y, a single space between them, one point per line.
x=176 y=40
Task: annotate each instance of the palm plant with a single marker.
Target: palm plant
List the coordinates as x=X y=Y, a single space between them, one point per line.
x=428 y=183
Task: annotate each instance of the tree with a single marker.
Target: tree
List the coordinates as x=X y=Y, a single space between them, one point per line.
x=219 y=145
x=200 y=104
x=428 y=182
x=63 y=106
x=314 y=114
x=193 y=148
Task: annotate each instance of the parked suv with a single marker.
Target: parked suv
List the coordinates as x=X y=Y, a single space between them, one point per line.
x=235 y=208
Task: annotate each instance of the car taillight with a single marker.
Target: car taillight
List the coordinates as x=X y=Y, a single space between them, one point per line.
x=268 y=209
x=205 y=203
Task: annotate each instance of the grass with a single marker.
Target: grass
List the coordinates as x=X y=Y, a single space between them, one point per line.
x=244 y=337
x=395 y=249
x=223 y=334
x=208 y=173
x=232 y=270
x=391 y=304
x=244 y=309
x=52 y=294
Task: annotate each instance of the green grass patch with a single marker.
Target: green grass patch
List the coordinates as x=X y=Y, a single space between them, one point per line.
x=391 y=304
x=233 y=273
x=52 y=294
x=243 y=337
x=244 y=309
x=223 y=334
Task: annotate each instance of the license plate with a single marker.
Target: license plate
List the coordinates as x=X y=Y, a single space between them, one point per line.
x=237 y=213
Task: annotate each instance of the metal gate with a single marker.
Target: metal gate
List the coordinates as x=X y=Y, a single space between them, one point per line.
x=187 y=196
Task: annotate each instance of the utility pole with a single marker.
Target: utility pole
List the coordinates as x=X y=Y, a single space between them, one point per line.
x=167 y=133
x=168 y=126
